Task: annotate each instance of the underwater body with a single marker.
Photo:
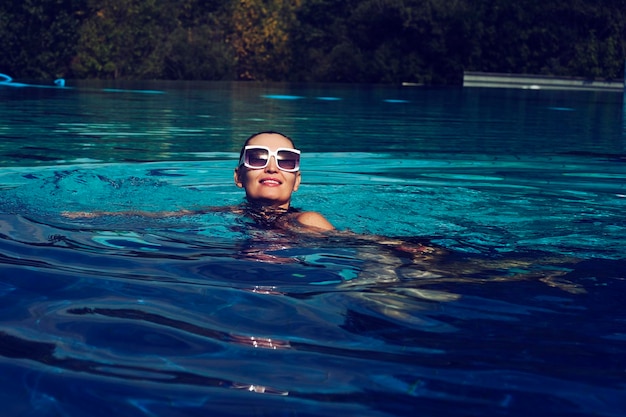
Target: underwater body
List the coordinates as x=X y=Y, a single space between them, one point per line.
x=519 y=312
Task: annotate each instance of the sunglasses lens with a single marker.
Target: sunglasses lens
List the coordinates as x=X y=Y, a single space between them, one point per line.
x=288 y=160
x=257 y=158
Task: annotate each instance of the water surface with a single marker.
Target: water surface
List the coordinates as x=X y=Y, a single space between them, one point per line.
x=132 y=315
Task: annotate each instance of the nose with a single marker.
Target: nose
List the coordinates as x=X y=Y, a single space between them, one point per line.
x=271 y=166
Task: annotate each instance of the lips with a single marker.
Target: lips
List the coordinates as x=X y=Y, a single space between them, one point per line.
x=272 y=182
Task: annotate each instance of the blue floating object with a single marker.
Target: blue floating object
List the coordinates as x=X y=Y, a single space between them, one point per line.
x=391 y=100
x=59 y=82
x=329 y=98
x=8 y=81
x=282 y=97
x=120 y=90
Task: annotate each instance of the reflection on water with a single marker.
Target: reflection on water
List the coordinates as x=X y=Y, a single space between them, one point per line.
x=517 y=309
x=85 y=123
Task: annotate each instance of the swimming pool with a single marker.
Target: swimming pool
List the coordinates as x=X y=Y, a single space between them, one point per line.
x=165 y=317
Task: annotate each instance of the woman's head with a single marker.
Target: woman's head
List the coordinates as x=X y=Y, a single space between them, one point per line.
x=268 y=169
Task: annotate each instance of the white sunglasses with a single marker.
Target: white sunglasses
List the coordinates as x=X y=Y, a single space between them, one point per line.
x=258 y=157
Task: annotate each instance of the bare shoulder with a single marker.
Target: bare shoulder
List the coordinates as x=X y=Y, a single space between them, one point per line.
x=315 y=220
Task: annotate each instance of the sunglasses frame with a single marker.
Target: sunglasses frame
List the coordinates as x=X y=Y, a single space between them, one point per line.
x=242 y=160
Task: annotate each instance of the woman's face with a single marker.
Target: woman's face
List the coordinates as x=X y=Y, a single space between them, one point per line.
x=268 y=186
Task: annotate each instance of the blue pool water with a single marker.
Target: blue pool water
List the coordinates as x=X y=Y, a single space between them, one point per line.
x=206 y=315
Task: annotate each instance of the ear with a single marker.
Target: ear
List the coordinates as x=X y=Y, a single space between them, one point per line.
x=238 y=179
x=298 y=179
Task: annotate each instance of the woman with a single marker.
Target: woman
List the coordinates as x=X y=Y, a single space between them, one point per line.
x=269 y=172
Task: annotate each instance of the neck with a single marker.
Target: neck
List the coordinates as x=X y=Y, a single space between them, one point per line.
x=266 y=216
x=267 y=205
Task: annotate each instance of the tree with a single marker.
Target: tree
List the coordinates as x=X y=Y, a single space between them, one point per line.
x=600 y=46
x=198 y=49
x=124 y=39
x=198 y=53
x=261 y=38
x=577 y=38
x=427 y=41
x=322 y=44
x=39 y=36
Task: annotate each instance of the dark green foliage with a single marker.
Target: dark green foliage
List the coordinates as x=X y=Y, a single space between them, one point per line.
x=198 y=54
x=38 y=38
x=389 y=41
